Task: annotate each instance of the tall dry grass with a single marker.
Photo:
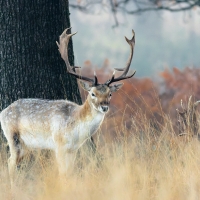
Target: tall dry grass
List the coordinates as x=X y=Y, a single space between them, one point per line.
x=145 y=163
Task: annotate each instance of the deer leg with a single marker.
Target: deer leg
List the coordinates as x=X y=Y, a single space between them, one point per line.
x=69 y=162
x=16 y=154
x=65 y=162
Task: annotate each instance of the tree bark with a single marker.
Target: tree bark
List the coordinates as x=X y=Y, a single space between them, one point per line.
x=30 y=64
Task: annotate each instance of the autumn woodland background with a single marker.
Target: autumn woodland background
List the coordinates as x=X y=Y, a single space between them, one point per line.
x=153 y=98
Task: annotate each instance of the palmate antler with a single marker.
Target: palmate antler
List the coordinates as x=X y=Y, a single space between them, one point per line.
x=63 y=49
x=188 y=123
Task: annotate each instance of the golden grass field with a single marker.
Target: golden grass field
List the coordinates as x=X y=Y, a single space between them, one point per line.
x=144 y=163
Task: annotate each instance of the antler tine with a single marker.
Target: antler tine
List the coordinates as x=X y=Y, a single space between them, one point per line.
x=63 y=49
x=123 y=76
x=95 y=79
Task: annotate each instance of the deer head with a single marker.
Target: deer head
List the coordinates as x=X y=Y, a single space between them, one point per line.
x=99 y=94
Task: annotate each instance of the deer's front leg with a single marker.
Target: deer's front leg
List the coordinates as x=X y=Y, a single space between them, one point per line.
x=65 y=160
x=65 y=155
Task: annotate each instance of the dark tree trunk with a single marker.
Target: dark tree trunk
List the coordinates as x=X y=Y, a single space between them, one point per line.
x=30 y=64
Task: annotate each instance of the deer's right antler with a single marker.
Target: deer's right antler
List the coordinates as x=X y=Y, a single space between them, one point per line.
x=63 y=49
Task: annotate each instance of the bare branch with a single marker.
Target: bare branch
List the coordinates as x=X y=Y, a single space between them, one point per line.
x=139 y=6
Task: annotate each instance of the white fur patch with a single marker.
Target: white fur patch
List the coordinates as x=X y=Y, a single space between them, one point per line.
x=38 y=141
x=86 y=129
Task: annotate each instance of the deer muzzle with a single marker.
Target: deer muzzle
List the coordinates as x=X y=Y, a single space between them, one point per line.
x=104 y=108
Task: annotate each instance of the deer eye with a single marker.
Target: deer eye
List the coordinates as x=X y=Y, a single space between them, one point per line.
x=93 y=95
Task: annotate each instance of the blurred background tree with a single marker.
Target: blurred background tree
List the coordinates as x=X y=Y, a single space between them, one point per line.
x=167 y=33
x=133 y=6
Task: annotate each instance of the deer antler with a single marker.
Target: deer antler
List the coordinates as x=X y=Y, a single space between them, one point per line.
x=131 y=42
x=63 y=49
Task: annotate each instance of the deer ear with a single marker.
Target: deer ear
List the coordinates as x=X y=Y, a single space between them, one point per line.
x=116 y=87
x=85 y=85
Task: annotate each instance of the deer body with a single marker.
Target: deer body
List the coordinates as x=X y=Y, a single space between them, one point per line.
x=47 y=120
x=59 y=125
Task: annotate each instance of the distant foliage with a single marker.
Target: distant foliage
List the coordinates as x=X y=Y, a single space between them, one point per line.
x=180 y=84
x=156 y=99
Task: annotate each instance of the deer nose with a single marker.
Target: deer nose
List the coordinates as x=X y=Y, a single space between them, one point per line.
x=104 y=108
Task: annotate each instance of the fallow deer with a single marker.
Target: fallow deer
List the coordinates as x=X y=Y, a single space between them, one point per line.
x=59 y=125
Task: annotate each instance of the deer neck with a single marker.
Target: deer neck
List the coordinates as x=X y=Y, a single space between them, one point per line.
x=88 y=121
x=88 y=112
